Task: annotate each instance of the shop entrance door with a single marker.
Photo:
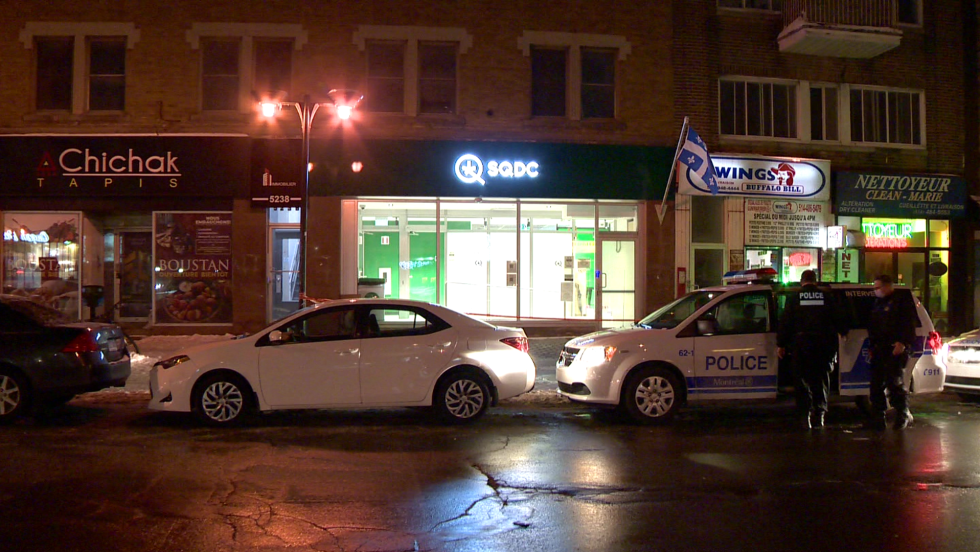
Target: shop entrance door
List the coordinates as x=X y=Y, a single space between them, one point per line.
x=134 y=276
x=283 y=291
x=616 y=281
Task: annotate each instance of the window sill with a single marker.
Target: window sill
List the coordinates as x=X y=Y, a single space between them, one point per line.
x=565 y=123
x=65 y=117
x=223 y=117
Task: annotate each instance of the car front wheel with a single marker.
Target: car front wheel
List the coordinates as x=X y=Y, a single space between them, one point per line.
x=13 y=395
x=651 y=395
x=221 y=400
x=462 y=397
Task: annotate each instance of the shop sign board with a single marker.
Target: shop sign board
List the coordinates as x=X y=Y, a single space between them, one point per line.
x=192 y=270
x=123 y=166
x=901 y=195
x=786 y=222
x=277 y=178
x=764 y=177
x=847 y=266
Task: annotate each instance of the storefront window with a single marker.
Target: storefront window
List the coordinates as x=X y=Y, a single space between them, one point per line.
x=796 y=261
x=480 y=252
x=938 y=233
x=550 y=235
x=398 y=246
x=42 y=254
x=477 y=269
x=883 y=233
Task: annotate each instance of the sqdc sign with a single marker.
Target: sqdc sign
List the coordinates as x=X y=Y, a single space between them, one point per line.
x=470 y=169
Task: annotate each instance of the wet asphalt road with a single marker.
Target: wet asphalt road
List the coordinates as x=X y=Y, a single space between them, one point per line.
x=105 y=474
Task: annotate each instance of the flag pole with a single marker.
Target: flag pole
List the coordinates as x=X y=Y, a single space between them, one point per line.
x=662 y=209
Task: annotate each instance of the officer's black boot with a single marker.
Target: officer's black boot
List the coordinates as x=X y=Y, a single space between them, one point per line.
x=805 y=420
x=816 y=420
x=903 y=420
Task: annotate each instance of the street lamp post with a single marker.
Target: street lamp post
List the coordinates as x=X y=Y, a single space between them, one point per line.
x=343 y=102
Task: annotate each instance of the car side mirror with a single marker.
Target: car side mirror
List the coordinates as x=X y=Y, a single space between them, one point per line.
x=276 y=337
x=707 y=326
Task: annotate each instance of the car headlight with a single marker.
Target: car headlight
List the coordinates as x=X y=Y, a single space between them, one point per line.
x=964 y=355
x=172 y=361
x=595 y=356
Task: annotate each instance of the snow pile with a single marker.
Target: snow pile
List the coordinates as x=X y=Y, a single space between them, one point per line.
x=537 y=397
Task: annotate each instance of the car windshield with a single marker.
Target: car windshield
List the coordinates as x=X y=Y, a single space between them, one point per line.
x=671 y=315
x=41 y=314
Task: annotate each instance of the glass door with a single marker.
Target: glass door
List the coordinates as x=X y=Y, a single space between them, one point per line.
x=283 y=272
x=134 y=274
x=617 y=281
x=707 y=266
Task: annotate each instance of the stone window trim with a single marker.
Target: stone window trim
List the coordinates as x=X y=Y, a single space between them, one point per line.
x=411 y=36
x=574 y=43
x=246 y=33
x=80 y=32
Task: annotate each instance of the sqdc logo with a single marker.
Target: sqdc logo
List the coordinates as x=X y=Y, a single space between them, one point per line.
x=470 y=169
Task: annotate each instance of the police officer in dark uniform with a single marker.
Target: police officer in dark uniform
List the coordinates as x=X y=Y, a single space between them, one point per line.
x=808 y=328
x=891 y=332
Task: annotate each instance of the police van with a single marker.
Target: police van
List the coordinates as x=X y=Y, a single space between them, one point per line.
x=719 y=343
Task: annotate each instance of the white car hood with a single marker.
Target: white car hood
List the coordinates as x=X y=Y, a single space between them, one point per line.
x=969 y=339
x=614 y=336
x=203 y=349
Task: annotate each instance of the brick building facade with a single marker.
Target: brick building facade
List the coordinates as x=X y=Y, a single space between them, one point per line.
x=593 y=98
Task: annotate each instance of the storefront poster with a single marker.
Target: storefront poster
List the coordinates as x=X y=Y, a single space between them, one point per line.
x=901 y=195
x=757 y=176
x=41 y=257
x=192 y=272
x=786 y=222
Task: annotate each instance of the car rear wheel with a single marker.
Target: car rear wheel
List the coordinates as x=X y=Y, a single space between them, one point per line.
x=222 y=400
x=13 y=395
x=651 y=395
x=461 y=397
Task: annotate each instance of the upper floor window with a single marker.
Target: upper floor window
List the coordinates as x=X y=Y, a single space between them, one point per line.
x=908 y=12
x=824 y=116
x=55 y=58
x=219 y=75
x=886 y=116
x=573 y=75
x=411 y=70
x=385 y=77
x=80 y=67
x=773 y=5
x=548 y=75
x=242 y=61
x=751 y=108
x=437 y=77
x=107 y=74
x=598 y=83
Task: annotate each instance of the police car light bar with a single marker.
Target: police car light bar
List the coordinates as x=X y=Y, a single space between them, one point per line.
x=756 y=275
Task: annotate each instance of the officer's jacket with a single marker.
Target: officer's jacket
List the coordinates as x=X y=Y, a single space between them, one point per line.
x=893 y=320
x=813 y=315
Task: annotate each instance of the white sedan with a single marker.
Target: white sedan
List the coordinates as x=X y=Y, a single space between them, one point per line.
x=350 y=354
x=963 y=365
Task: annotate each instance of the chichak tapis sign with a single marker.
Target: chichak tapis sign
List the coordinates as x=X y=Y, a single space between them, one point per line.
x=123 y=165
x=901 y=195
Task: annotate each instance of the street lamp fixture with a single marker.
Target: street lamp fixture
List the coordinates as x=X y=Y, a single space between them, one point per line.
x=343 y=102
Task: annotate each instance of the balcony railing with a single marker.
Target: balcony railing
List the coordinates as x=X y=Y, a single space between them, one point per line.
x=858 y=13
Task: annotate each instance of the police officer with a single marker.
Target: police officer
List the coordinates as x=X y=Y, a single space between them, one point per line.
x=809 y=328
x=891 y=332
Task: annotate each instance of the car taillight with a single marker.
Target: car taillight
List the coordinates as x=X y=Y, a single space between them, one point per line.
x=84 y=343
x=935 y=341
x=519 y=343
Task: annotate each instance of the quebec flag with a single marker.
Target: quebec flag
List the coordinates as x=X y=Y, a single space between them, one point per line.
x=694 y=154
